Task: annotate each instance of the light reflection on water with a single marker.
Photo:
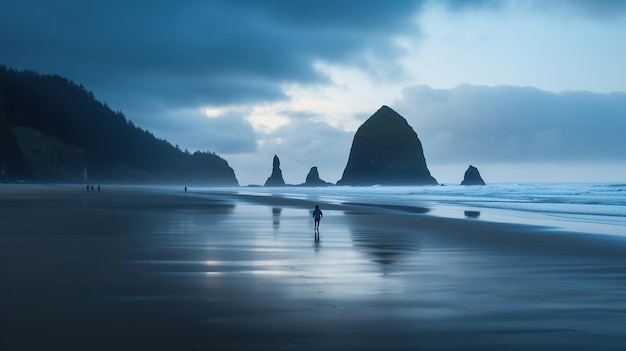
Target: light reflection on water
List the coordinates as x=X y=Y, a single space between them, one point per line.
x=249 y=240
x=352 y=262
x=407 y=275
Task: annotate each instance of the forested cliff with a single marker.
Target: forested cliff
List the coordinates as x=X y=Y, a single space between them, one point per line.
x=52 y=129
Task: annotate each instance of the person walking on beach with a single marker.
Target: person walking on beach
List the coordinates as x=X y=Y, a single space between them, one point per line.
x=317 y=215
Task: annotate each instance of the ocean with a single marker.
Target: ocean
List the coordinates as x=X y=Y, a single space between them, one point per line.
x=598 y=208
x=213 y=270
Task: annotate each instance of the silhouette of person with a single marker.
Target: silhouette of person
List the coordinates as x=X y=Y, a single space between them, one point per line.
x=317 y=215
x=98 y=188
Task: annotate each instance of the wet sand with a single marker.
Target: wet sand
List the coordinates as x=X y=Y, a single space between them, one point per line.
x=138 y=269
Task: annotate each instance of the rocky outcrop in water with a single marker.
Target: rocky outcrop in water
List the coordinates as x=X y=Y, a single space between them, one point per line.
x=472 y=177
x=386 y=151
x=276 y=179
x=313 y=179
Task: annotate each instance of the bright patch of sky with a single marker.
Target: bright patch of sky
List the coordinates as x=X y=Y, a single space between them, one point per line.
x=519 y=46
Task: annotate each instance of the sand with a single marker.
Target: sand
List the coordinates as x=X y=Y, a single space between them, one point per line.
x=134 y=268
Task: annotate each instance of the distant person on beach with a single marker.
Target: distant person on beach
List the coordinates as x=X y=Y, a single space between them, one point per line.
x=317 y=215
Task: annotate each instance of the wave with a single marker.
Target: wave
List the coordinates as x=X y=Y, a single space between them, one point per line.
x=574 y=202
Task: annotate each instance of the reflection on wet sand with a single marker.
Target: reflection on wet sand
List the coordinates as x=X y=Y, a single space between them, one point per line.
x=403 y=208
x=276 y=211
x=471 y=213
x=386 y=246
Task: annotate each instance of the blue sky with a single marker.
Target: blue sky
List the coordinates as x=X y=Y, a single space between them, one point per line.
x=525 y=90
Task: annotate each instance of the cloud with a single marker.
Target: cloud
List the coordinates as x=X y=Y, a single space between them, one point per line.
x=305 y=144
x=511 y=133
x=300 y=145
x=598 y=10
x=208 y=52
x=152 y=59
x=593 y=9
x=287 y=76
x=225 y=134
x=507 y=124
x=219 y=53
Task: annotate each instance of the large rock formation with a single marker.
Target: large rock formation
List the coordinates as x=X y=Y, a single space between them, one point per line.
x=472 y=177
x=386 y=151
x=276 y=179
x=313 y=179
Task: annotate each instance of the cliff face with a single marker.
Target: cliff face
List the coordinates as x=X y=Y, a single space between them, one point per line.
x=46 y=158
x=276 y=179
x=386 y=151
x=472 y=177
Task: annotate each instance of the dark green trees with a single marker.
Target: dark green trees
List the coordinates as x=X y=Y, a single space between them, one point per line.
x=47 y=123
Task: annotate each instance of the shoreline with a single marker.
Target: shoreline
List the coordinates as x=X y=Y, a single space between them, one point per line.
x=561 y=222
x=531 y=220
x=426 y=212
x=131 y=268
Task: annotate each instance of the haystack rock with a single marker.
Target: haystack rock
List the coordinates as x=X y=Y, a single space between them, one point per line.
x=386 y=151
x=313 y=179
x=276 y=179
x=472 y=177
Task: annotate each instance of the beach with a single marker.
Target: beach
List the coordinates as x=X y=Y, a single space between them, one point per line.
x=158 y=268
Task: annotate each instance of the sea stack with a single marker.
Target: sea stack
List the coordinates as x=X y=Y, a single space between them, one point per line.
x=313 y=179
x=472 y=177
x=276 y=179
x=386 y=151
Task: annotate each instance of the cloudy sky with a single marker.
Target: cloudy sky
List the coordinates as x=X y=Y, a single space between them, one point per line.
x=525 y=90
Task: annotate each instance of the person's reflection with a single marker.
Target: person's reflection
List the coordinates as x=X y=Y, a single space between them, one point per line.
x=316 y=246
x=276 y=217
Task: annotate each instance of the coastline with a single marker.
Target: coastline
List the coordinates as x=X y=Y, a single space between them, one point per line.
x=143 y=267
x=504 y=203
